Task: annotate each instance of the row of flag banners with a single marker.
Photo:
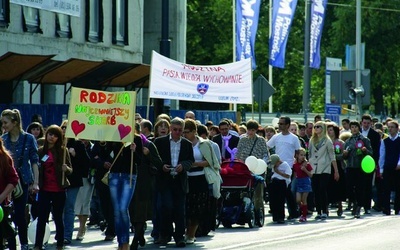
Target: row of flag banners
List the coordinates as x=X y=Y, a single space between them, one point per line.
x=247 y=14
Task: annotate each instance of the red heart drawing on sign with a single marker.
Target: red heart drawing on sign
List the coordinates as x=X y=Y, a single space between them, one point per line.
x=124 y=130
x=77 y=127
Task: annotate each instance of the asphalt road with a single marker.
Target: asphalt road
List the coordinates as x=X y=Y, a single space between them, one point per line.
x=374 y=231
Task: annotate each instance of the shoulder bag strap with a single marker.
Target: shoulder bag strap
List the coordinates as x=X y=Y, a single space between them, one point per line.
x=21 y=157
x=251 y=151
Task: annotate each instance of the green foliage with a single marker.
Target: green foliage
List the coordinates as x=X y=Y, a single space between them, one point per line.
x=209 y=41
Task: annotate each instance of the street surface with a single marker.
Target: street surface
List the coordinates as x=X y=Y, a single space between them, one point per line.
x=374 y=231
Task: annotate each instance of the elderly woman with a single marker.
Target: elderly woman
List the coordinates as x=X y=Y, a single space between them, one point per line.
x=355 y=149
x=322 y=157
x=198 y=197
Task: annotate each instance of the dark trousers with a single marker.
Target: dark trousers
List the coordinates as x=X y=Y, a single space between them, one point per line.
x=54 y=202
x=172 y=210
x=103 y=191
x=391 y=182
x=277 y=196
x=320 y=187
x=355 y=184
x=291 y=202
x=19 y=219
x=378 y=193
x=368 y=190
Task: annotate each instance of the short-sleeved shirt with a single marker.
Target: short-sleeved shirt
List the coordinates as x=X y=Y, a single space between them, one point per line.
x=300 y=173
x=285 y=146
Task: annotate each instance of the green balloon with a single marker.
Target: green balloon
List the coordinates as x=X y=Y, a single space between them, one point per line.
x=368 y=164
x=1 y=214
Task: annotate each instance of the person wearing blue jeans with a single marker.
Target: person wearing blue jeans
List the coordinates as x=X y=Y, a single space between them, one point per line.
x=122 y=185
x=69 y=213
x=121 y=196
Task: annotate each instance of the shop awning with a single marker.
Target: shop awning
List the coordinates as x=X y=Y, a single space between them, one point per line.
x=41 y=69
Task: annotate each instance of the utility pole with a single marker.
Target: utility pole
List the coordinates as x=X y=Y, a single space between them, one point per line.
x=359 y=111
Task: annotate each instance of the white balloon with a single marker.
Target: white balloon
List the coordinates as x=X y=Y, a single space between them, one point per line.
x=261 y=167
x=251 y=163
x=275 y=122
x=32 y=232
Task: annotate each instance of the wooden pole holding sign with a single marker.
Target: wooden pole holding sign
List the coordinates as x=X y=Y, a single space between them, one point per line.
x=132 y=155
x=64 y=158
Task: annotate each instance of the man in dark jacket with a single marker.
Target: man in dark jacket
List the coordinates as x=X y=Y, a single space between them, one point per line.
x=219 y=139
x=176 y=153
x=390 y=168
x=375 y=139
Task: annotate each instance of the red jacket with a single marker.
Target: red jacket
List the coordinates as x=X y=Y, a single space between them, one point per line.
x=8 y=177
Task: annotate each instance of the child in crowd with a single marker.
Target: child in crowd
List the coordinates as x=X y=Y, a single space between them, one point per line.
x=303 y=172
x=280 y=182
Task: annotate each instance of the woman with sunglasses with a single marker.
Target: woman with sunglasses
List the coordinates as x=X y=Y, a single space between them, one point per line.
x=55 y=166
x=321 y=155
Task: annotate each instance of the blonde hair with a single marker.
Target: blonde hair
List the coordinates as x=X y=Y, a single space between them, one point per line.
x=298 y=153
x=315 y=139
x=14 y=115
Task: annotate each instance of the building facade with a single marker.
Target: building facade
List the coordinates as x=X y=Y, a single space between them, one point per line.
x=100 y=44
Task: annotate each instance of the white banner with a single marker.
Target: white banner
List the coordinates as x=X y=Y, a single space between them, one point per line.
x=226 y=83
x=69 y=7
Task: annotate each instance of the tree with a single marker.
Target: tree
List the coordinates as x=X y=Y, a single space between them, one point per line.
x=209 y=41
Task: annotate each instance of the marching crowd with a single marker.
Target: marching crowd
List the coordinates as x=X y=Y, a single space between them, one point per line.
x=170 y=174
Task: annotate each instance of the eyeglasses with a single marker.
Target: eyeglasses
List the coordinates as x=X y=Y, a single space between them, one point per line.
x=177 y=129
x=317 y=126
x=63 y=127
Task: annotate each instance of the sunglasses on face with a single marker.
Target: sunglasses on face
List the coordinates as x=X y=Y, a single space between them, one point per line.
x=317 y=126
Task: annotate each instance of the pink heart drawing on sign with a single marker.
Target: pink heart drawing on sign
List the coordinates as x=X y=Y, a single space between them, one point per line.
x=124 y=130
x=77 y=127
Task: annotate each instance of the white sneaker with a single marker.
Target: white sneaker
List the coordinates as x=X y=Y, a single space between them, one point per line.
x=190 y=240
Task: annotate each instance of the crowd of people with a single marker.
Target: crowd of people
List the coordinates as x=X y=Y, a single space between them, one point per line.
x=170 y=174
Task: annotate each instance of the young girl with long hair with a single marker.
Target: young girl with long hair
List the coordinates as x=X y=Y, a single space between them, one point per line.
x=55 y=166
x=122 y=182
x=303 y=172
x=23 y=149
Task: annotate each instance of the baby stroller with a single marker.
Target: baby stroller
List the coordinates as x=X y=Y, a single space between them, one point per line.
x=237 y=193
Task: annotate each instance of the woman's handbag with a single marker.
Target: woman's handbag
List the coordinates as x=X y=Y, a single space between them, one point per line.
x=17 y=191
x=105 y=177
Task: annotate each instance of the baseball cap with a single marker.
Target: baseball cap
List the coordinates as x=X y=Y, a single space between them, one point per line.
x=274 y=159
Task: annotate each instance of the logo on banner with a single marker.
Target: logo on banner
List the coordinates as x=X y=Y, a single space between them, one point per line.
x=202 y=88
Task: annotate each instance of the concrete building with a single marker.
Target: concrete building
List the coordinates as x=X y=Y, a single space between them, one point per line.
x=99 y=44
